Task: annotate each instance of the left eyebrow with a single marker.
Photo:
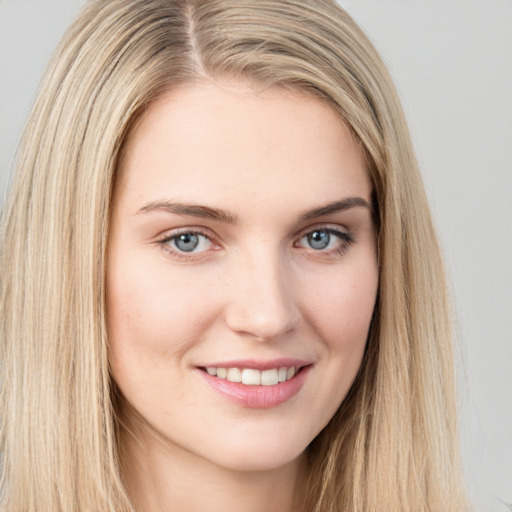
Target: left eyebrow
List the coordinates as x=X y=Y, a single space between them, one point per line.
x=335 y=207
x=192 y=210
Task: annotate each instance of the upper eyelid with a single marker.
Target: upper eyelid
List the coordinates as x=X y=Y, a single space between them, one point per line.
x=176 y=253
x=327 y=226
x=169 y=234
x=206 y=232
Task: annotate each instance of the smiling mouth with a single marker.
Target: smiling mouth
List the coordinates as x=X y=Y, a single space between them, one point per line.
x=254 y=377
x=257 y=384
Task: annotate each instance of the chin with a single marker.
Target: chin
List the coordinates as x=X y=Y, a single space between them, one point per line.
x=263 y=452
x=259 y=460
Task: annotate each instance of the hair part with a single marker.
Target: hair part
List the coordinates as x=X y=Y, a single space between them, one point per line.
x=392 y=446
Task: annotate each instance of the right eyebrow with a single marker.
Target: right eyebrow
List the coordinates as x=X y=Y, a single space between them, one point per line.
x=336 y=206
x=193 y=210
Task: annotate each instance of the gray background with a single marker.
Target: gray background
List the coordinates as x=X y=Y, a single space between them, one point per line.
x=452 y=62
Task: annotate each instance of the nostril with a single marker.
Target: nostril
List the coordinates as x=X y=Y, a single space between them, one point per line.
x=261 y=302
x=261 y=325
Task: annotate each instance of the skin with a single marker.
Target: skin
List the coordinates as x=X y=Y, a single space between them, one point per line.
x=254 y=288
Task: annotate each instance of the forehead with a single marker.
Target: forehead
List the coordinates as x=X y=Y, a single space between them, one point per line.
x=230 y=139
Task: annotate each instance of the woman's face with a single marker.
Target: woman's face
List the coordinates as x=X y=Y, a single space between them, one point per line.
x=242 y=245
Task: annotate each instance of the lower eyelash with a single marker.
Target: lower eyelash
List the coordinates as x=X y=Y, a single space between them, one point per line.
x=346 y=239
x=164 y=243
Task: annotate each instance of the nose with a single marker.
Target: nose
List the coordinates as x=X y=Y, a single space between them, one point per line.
x=262 y=303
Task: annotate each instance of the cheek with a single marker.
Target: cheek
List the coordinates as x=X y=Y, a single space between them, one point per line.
x=340 y=313
x=342 y=307
x=153 y=318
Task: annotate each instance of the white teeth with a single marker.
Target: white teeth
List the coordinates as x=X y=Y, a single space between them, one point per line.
x=252 y=377
x=269 y=377
x=234 y=375
x=290 y=372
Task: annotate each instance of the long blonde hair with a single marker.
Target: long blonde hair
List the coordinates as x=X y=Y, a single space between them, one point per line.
x=392 y=446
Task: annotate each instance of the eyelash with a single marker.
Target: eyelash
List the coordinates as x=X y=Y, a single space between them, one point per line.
x=345 y=240
x=182 y=255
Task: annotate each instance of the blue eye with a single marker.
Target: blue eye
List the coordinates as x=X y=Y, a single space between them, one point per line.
x=189 y=242
x=318 y=239
x=325 y=239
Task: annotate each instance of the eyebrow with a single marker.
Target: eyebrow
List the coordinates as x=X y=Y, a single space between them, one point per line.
x=335 y=207
x=194 y=210
x=206 y=212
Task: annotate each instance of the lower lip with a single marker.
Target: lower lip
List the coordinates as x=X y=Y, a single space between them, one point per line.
x=258 y=397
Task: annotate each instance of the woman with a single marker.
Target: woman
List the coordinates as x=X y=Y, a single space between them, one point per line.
x=217 y=268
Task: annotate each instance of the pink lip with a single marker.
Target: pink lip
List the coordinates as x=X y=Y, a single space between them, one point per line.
x=261 y=365
x=261 y=397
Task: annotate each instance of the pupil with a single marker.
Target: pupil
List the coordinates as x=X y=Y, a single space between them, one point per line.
x=319 y=239
x=187 y=242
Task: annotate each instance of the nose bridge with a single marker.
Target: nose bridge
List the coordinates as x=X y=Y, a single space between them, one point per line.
x=261 y=300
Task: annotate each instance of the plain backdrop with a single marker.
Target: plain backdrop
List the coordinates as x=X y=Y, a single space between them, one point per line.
x=452 y=63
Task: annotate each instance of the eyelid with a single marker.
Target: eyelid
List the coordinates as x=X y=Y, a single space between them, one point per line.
x=168 y=235
x=344 y=234
x=346 y=239
x=332 y=228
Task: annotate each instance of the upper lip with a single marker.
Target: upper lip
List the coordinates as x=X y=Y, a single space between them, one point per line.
x=256 y=364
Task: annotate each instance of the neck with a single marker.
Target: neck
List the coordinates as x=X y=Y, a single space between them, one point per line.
x=160 y=477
